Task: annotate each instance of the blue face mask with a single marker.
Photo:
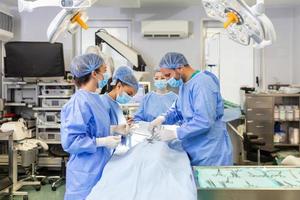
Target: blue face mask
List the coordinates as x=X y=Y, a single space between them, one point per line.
x=174 y=82
x=124 y=98
x=103 y=83
x=160 y=84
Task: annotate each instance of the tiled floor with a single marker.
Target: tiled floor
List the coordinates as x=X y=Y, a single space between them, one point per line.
x=44 y=194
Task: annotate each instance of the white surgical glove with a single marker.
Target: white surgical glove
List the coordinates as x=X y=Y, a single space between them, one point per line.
x=110 y=141
x=157 y=122
x=166 y=135
x=122 y=129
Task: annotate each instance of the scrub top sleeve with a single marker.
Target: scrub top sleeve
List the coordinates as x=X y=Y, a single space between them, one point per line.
x=74 y=127
x=204 y=109
x=172 y=116
x=140 y=113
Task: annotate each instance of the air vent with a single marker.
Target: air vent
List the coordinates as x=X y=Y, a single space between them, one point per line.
x=148 y=36
x=174 y=35
x=161 y=36
x=165 y=29
x=6 y=26
x=6 y=22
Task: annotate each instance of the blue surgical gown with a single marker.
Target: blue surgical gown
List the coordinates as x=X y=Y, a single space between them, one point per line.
x=200 y=109
x=115 y=112
x=113 y=108
x=83 y=119
x=153 y=105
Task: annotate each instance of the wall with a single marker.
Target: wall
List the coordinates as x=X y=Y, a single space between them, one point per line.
x=4 y=8
x=152 y=50
x=296 y=69
x=33 y=27
x=279 y=57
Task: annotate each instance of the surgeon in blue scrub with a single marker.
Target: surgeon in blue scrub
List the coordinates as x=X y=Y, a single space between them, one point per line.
x=199 y=109
x=124 y=87
x=156 y=102
x=85 y=129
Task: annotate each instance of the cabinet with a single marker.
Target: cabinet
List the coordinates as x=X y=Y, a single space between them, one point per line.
x=51 y=99
x=261 y=117
x=40 y=104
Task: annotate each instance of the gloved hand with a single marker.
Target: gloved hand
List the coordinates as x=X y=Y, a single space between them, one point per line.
x=110 y=141
x=166 y=135
x=120 y=129
x=130 y=121
x=157 y=122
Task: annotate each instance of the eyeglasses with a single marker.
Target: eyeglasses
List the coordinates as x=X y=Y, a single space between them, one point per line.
x=156 y=78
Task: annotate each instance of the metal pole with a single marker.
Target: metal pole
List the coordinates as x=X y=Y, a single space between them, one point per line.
x=258 y=157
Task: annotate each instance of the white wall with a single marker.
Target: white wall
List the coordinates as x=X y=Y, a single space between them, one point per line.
x=4 y=8
x=279 y=57
x=153 y=50
x=33 y=28
x=296 y=69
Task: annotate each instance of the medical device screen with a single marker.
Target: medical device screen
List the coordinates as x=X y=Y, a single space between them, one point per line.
x=34 y=59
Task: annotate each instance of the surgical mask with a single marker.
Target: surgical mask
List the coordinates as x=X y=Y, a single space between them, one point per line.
x=103 y=83
x=123 y=98
x=174 y=82
x=160 y=84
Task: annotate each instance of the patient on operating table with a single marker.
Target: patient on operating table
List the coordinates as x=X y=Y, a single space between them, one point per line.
x=151 y=170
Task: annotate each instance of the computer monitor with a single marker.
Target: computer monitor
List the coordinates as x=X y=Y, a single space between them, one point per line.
x=34 y=59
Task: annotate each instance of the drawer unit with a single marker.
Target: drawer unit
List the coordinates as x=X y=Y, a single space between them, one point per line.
x=263 y=129
x=259 y=102
x=259 y=114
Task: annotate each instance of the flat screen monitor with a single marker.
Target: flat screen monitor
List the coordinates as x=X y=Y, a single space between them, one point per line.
x=34 y=59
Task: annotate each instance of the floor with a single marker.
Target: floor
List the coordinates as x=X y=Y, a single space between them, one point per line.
x=45 y=193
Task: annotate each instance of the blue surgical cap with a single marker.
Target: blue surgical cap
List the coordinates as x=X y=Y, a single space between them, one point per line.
x=173 y=60
x=125 y=75
x=85 y=64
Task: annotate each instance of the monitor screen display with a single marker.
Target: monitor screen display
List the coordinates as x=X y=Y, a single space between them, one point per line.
x=34 y=59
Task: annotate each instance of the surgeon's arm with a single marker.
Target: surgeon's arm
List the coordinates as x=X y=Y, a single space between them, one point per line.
x=139 y=115
x=74 y=126
x=172 y=116
x=204 y=114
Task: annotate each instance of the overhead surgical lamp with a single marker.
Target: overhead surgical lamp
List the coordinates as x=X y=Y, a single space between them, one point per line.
x=29 y=6
x=245 y=25
x=69 y=19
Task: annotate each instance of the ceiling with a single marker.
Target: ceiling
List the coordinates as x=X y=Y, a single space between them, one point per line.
x=139 y=3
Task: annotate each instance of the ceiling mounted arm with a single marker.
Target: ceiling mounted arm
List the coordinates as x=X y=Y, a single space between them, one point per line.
x=29 y=6
x=123 y=49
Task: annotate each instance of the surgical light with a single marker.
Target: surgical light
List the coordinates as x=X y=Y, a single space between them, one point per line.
x=69 y=19
x=243 y=24
x=29 y=6
x=66 y=21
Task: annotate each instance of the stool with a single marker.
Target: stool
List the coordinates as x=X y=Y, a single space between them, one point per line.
x=257 y=150
x=5 y=186
x=57 y=181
